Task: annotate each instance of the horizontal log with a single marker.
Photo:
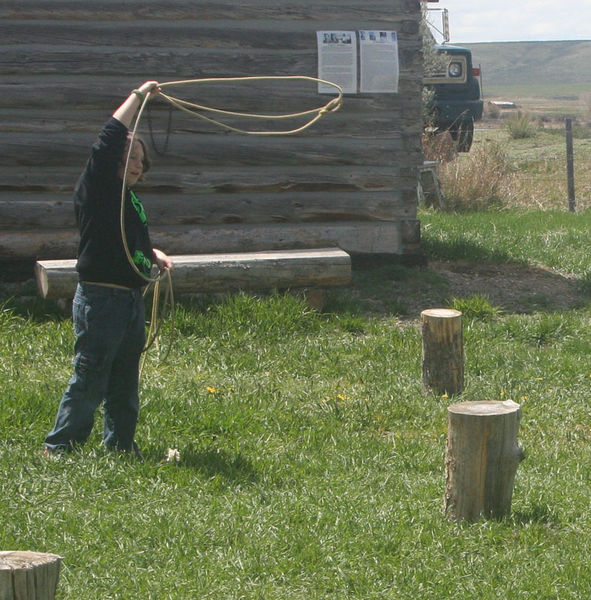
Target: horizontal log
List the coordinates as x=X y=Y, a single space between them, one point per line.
x=100 y=91
x=103 y=93
x=161 y=62
x=180 y=62
x=19 y=183
x=378 y=10
x=364 y=238
x=223 y=272
x=234 y=34
x=71 y=148
x=38 y=212
x=349 y=120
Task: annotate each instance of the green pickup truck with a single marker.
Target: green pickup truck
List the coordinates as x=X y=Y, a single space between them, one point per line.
x=457 y=103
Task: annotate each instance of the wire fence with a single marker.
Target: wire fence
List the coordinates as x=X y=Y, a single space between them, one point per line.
x=530 y=172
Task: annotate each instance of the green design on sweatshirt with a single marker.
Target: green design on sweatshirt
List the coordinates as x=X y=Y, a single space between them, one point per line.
x=142 y=262
x=139 y=207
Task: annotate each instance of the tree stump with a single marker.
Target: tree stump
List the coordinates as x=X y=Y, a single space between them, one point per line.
x=481 y=459
x=443 y=350
x=28 y=575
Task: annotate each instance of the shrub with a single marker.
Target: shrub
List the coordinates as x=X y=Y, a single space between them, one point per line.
x=520 y=126
x=581 y=132
x=476 y=307
x=586 y=103
x=475 y=181
x=492 y=111
x=439 y=146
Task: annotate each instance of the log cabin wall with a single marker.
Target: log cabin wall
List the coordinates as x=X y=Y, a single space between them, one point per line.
x=349 y=181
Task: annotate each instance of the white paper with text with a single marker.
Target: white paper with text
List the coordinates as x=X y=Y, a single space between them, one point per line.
x=380 y=68
x=337 y=60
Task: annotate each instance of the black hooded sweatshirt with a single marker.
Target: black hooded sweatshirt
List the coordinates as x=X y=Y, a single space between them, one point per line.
x=97 y=204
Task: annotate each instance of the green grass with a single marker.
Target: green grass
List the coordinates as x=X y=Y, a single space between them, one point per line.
x=556 y=239
x=311 y=462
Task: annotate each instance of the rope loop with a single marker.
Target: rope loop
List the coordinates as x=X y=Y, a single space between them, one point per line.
x=196 y=109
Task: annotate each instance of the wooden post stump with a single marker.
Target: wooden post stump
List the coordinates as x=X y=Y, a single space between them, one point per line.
x=481 y=459
x=28 y=575
x=443 y=350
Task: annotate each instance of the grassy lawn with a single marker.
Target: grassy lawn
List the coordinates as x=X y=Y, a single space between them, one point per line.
x=311 y=462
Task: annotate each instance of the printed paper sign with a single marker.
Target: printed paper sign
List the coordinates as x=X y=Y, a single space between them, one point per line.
x=337 y=60
x=379 y=61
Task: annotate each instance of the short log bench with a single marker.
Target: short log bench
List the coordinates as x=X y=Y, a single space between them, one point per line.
x=211 y=273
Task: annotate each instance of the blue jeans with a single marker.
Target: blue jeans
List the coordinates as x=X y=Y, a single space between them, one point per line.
x=110 y=334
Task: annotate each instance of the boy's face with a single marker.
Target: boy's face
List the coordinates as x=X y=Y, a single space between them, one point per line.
x=136 y=163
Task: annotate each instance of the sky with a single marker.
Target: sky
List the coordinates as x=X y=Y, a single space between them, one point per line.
x=515 y=20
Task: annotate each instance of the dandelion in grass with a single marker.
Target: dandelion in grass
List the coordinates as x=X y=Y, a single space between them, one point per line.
x=444 y=395
x=211 y=389
x=173 y=455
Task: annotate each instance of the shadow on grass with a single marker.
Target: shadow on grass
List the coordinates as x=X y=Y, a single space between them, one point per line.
x=464 y=250
x=459 y=270
x=456 y=268
x=233 y=468
x=537 y=514
x=35 y=309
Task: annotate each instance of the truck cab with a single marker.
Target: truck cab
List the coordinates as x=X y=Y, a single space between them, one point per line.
x=457 y=103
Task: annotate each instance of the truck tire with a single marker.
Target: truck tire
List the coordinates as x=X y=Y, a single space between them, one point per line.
x=454 y=131
x=465 y=136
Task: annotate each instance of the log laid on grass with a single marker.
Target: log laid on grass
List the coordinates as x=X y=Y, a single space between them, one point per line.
x=224 y=272
x=481 y=459
x=28 y=575
x=443 y=350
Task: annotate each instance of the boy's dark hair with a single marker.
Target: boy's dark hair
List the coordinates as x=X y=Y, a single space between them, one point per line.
x=147 y=161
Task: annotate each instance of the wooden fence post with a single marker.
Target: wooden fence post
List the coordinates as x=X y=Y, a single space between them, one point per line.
x=570 y=166
x=481 y=459
x=28 y=575
x=443 y=350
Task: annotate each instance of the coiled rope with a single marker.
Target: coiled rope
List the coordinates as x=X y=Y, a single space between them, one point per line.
x=196 y=110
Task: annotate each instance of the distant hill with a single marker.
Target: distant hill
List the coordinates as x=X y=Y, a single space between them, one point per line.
x=547 y=69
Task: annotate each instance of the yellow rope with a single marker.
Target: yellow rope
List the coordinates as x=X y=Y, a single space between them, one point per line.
x=192 y=108
x=154 y=329
x=331 y=106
